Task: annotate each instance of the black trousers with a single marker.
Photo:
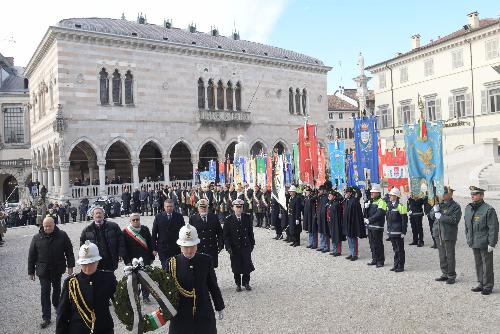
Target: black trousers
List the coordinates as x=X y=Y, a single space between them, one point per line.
x=416 y=228
x=398 y=245
x=376 y=239
x=260 y=218
x=242 y=279
x=47 y=284
x=431 y=224
x=278 y=227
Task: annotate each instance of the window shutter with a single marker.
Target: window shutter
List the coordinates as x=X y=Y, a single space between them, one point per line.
x=468 y=105
x=484 y=102
x=400 y=116
x=389 y=117
x=438 y=110
x=451 y=107
x=413 y=116
x=378 y=113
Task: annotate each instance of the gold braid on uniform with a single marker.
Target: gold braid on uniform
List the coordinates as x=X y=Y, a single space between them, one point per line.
x=184 y=292
x=75 y=294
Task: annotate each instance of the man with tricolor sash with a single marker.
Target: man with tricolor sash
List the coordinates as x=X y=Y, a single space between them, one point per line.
x=139 y=245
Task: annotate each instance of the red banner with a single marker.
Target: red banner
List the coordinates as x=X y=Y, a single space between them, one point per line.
x=394 y=169
x=308 y=154
x=269 y=170
x=321 y=167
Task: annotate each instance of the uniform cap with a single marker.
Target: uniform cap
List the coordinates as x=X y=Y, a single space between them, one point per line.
x=202 y=202
x=89 y=253
x=188 y=236
x=238 y=202
x=448 y=189
x=476 y=190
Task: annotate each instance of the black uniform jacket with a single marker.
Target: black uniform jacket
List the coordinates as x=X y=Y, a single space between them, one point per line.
x=310 y=224
x=165 y=234
x=97 y=290
x=198 y=273
x=335 y=222
x=210 y=235
x=239 y=242
x=353 y=225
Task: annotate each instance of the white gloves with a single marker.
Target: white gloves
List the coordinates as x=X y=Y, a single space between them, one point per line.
x=279 y=216
x=367 y=205
x=490 y=249
x=436 y=208
x=402 y=235
x=297 y=222
x=221 y=314
x=437 y=215
x=367 y=221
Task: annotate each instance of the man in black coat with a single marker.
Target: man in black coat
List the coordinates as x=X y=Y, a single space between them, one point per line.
x=108 y=237
x=126 y=197
x=276 y=212
x=334 y=218
x=136 y=202
x=353 y=226
x=50 y=253
x=239 y=242
x=166 y=227
x=310 y=223
x=321 y=202
x=195 y=274
x=294 y=216
x=209 y=231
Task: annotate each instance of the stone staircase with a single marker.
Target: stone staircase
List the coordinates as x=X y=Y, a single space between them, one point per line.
x=489 y=177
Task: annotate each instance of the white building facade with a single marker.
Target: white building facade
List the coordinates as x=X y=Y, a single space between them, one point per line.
x=131 y=101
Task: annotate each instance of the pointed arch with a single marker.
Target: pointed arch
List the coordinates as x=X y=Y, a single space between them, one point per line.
x=89 y=142
x=126 y=144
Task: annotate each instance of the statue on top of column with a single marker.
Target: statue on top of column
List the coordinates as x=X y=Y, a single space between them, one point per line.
x=361 y=64
x=241 y=149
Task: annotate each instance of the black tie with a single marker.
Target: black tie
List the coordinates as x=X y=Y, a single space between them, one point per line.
x=204 y=219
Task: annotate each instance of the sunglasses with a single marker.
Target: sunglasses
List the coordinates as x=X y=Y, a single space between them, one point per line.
x=135 y=220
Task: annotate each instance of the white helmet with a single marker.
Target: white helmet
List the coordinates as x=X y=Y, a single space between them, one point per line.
x=376 y=188
x=395 y=191
x=292 y=189
x=188 y=236
x=89 y=253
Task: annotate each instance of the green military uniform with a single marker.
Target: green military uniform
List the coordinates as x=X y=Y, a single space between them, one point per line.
x=445 y=232
x=481 y=230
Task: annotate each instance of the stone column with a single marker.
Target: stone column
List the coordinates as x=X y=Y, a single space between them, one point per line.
x=194 y=161
x=50 y=179
x=234 y=98
x=102 y=176
x=135 y=173
x=205 y=87
x=44 y=177
x=34 y=174
x=40 y=176
x=166 y=170
x=64 y=167
x=91 y=171
x=57 y=179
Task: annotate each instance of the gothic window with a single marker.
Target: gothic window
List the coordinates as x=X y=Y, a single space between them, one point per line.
x=290 y=100
x=104 y=86
x=229 y=95
x=210 y=94
x=117 y=86
x=129 y=88
x=13 y=125
x=304 y=101
x=201 y=94
x=297 y=102
x=237 y=95
x=220 y=95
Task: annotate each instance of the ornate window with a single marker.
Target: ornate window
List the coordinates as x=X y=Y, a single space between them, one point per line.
x=304 y=101
x=237 y=96
x=13 y=125
x=201 y=94
x=104 y=86
x=117 y=87
x=210 y=94
x=229 y=96
x=129 y=88
x=290 y=101
x=297 y=101
x=220 y=95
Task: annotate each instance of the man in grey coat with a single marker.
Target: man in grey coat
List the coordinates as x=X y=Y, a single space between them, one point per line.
x=481 y=231
x=447 y=215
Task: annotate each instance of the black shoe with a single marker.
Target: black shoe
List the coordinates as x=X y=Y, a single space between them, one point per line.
x=348 y=257
x=248 y=287
x=477 y=289
x=441 y=279
x=296 y=244
x=372 y=263
x=276 y=237
x=486 y=292
x=337 y=254
x=280 y=237
x=354 y=258
x=314 y=247
x=286 y=240
x=325 y=251
x=308 y=246
x=45 y=324
x=238 y=288
x=319 y=249
x=450 y=281
x=393 y=269
x=434 y=246
x=414 y=243
x=420 y=244
x=292 y=244
x=379 y=265
x=399 y=270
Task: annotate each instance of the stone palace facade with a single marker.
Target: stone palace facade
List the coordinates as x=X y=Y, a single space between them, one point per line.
x=117 y=103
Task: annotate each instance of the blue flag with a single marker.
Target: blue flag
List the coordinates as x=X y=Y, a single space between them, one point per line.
x=425 y=159
x=352 y=179
x=366 y=141
x=212 y=170
x=336 y=151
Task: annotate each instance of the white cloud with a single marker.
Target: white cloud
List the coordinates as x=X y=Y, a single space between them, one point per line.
x=28 y=21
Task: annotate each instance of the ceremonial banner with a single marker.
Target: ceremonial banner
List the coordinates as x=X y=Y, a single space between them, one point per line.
x=278 y=184
x=204 y=178
x=424 y=151
x=269 y=170
x=321 y=167
x=296 y=169
x=238 y=169
x=230 y=172
x=308 y=153
x=212 y=169
x=351 y=171
x=261 y=171
x=288 y=169
x=222 y=168
x=394 y=169
x=337 y=163
x=366 y=142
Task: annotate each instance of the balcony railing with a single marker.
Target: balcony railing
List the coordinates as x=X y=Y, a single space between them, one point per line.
x=222 y=116
x=16 y=163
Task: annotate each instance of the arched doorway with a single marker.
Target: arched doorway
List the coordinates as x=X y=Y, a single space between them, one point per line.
x=280 y=147
x=118 y=165
x=181 y=167
x=207 y=152
x=257 y=149
x=151 y=164
x=230 y=152
x=82 y=163
x=10 y=190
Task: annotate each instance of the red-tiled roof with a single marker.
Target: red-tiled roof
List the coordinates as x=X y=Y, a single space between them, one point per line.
x=336 y=103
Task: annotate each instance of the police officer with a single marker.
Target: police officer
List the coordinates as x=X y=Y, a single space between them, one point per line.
x=85 y=299
x=209 y=231
x=294 y=216
x=416 y=214
x=481 y=231
x=375 y=211
x=239 y=242
x=446 y=217
x=397 y=223
x=196 y=281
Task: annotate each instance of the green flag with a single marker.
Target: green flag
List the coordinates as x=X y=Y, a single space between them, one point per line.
x=296 y=170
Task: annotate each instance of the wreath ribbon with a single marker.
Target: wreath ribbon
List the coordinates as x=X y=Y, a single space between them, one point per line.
x=135 y=274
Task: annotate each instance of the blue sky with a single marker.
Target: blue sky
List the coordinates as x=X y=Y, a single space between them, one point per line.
x=336 y=31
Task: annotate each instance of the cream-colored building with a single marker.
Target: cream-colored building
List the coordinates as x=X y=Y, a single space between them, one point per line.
x=136 y=101
x=458 y=79
x=15 y=161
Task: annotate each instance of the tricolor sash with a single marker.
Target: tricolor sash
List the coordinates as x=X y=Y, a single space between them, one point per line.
x=137 y=237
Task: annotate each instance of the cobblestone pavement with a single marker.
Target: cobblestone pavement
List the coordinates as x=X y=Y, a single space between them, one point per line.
x=297 y=290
